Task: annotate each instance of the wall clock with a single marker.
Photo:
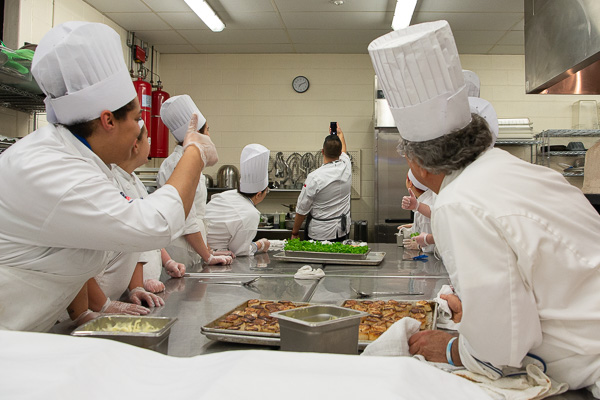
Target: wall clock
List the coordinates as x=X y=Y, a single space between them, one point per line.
x=300 y=84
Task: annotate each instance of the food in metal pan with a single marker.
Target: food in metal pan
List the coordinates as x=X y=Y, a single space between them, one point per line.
x=316 y=246
x=256 y=317
x=382 y=314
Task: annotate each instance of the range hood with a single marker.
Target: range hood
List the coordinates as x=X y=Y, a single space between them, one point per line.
x=562 y=46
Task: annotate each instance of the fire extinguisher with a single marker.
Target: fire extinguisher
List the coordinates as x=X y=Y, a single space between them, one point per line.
x=159 y=145
x=143 y=90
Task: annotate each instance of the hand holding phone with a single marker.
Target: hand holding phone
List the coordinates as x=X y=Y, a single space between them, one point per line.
x=333 y=128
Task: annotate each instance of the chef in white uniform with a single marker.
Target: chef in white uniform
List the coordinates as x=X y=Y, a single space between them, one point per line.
x=325 y=197
x=421 y=205
x=232 y=215
x=519 y=242
x=61 y=217
x=190 y=248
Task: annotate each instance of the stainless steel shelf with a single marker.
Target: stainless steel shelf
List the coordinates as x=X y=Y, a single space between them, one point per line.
x=21 y=100
x=566 y=153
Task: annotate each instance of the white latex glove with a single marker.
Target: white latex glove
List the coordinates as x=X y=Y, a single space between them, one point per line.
x=174 y=269
x=422 y=239
x=410 y=202
x=86 y=316
x=118 y=307
x=410 y=244
x=139 y=293
x=223 y=253
x=225 y=260
x=263 y=245
x=207 y=148
x=154 y=285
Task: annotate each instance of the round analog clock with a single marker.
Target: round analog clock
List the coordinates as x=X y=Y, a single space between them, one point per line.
x=300 y=84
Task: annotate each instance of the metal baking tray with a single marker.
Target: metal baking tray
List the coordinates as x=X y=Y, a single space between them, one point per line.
x=272 y=339
x=212 y=331
x=321 y=254
x=373 y=258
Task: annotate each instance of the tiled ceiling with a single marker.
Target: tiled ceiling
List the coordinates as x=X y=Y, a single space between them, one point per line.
x=312 y=26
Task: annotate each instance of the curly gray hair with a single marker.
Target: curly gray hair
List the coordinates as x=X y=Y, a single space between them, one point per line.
x=450 y=152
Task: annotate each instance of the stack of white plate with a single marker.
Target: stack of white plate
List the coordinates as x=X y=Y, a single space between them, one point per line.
x=515 y=128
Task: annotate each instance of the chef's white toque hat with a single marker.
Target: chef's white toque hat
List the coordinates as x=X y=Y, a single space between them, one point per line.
x=472 y=83
x=254 y=168
x=176 y=114
x=415 y=181
x=484 y=109
x=80 y=68
x=422 y=80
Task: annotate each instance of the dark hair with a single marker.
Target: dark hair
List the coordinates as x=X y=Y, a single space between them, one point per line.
x=332 y=146
x=249 y=195
x=85 y=129
x=450 y=152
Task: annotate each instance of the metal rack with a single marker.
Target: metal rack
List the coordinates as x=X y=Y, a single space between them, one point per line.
x=532 y=143
x=544 y=138
x=21 y=100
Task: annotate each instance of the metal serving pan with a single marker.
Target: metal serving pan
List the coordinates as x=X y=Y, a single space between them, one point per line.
x=309 y=255
x=373 y=258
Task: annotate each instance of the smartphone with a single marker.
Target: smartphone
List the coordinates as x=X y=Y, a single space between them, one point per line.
x=333 y=126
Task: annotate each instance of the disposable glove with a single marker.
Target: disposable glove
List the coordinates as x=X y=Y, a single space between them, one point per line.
x=223 y=253
x=139 y=293
x=262 y=245
x=118 y=307
x=207 y=148
x=410 y=202
x=86 y=316
x=225 y=260
x=174 y=269
x=410 y=244
x=422 y=239
x=154 y=286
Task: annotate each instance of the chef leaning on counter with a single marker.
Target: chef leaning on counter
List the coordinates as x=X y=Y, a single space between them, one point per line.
x=519 y=242
x=61 y=217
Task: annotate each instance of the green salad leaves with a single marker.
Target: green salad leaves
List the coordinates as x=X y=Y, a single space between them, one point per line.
x=301 y=245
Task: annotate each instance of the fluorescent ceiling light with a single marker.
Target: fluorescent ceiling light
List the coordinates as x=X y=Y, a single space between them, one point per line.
x=206 y=14
x=403 y=13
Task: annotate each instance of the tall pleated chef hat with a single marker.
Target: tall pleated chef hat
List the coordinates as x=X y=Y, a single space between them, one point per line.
x=176 y=114
x=422 y=80
x=80 y=68
x=415 y=181
x=484 y=109
x=254 y=168
x=472 y=83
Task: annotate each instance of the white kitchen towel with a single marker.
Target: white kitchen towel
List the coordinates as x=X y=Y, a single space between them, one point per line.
x=394 y=341
x=307 y=272
x=444 y=317
x=277 y=245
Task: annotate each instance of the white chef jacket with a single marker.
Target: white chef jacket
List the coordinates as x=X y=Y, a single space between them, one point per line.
x=325 y=195
x=115 y=279
x=422 y=223
x=61 y=218
x=164 y=173
x=521 y=247
x=232 y=221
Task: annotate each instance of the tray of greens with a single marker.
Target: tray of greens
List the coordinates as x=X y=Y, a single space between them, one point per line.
x=317 y=250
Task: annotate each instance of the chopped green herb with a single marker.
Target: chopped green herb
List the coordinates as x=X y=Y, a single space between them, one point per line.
x=414 y=234
x=302 y=245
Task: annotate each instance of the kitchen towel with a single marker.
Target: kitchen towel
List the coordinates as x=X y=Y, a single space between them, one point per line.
x=307 y=272
x=444 y=317
x=394 y=341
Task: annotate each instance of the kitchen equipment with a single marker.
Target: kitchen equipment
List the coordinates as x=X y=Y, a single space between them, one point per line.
x=289 y=223
x=320 y=329
x=228 y=176
x=153 y=336
x=236 y=283
x=373 y=259
x=208 y=180
x=362 y=294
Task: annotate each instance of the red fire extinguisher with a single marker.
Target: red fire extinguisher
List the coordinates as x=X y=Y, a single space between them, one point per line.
x=159 y=146
x=143 y=90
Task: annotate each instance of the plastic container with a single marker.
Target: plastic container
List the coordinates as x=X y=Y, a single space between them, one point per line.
x=320 y=329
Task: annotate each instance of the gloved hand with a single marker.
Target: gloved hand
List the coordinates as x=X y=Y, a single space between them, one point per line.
x=410 y=244
x=262 y=245
x=118 y=307
x=174 y=269
x=422 y=239
x=86 y=316
x=139 y=293
x=410 y=202
x=154 y=285
x=225 y=260
x=223 y=253
x=207 y=148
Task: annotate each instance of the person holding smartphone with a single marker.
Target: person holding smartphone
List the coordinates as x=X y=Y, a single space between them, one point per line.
x=325 y=197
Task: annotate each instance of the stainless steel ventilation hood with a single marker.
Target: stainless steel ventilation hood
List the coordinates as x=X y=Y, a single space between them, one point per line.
x=562 y=46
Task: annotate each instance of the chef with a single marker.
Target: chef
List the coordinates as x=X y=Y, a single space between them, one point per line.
x=420 y=201
x=190 y=248
x=325 y=197
x=232 y=217
x=61 y=217
x=481 y=106
x=519 y=242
